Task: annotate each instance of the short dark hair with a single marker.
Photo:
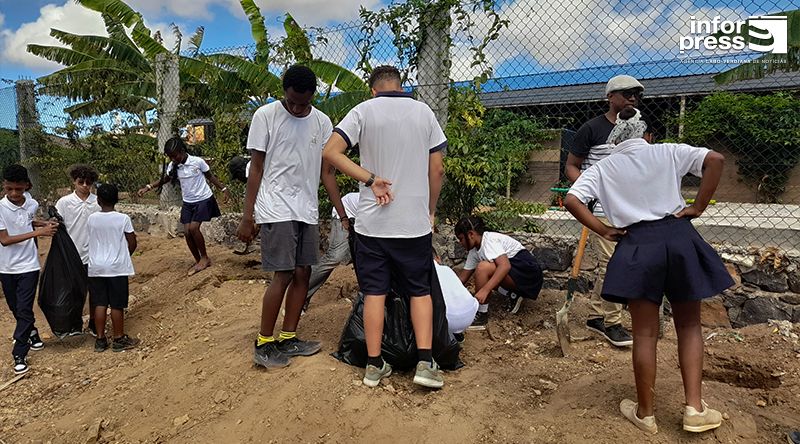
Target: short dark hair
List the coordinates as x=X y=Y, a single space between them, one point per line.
x=16 y=173
x=85 y=172
x=382 y=73
x=174 y=145
x=237 y=167
x=108 y=193
x=471 y=223
x=300 y=78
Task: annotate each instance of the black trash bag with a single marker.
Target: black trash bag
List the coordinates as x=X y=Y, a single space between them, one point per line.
x=63 y=283
x=398 y=346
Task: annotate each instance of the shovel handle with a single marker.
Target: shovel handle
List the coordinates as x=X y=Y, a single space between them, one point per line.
x=576 y=264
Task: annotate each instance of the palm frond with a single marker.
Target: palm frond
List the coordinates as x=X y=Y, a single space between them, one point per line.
x=151 y=46
x=59 y=54
x=261 y=80
x=176 y=31
x=196 y=40
x=115 y=8
x=258 y=30
x=337 y=76
x=297 y=40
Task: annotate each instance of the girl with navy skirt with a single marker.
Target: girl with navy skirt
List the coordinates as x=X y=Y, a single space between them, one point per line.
x=199 y=204
x=497 y=261
x=658 y=253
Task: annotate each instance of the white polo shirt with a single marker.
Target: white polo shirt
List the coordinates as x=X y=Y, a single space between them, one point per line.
x=493 y=245
x=193 y=180
x=350 y=204
x=108 y=247
x=76 y=212
x=21 y=257
x=292 y=148
x=640 y=181
x=396 y=136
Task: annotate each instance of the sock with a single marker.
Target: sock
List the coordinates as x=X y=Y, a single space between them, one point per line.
x=376 y=361
x=286 y=335
x=483 y=308
x=425 y=355
x=264 y=340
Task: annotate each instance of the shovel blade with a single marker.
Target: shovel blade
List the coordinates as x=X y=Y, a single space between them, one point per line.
x=562 y=329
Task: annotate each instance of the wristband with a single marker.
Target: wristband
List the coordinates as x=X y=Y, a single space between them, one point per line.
x=370 y=181
x=224 y=189
x=149 y=187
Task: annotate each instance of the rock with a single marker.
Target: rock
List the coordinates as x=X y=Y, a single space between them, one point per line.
x=761 y=403
x=220 y=396
x=94 y=432
x=745 y=427
x=726 y=416
x=713 y=313
x=731 y=300
x=553 y=258
x=774 y=282
x=794 y=282
x=760 y=309
x=180 y=420
x=746 y=261
x=796 y=315
x=599 y=358
x=791 y=298
x=206 y=304
x=734 y=275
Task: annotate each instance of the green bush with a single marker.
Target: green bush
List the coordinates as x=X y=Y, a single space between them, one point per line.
x=9 y=147
x=763 y=131
x=506 y=215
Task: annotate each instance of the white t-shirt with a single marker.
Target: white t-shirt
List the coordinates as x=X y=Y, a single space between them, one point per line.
x=640 y=181
x=493 y=245
x=193 y=180
x=350 y=203
x=21 y=257
x=292 y=162
x=461 y=306
x=108 y=247
x=76 y=212
x=396 y=135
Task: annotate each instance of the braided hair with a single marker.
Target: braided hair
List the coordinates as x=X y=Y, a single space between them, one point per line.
x=173 y=146
x=470 y=223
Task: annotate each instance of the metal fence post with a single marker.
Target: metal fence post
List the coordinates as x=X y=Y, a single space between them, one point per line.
x=433 y=68
x=168 y=88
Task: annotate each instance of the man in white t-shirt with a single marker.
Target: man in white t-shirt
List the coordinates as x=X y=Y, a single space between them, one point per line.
x=75 y=208
x=339 y=246
x=401 y=149
x=285 y=140
x=19 y=260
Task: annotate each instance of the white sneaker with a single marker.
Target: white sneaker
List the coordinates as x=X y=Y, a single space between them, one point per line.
x=694 y=421
x=629 y=409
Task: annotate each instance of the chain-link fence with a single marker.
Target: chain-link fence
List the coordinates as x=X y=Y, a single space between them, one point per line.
x=518 y=78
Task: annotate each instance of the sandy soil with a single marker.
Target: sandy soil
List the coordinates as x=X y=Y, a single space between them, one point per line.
x=192 y=379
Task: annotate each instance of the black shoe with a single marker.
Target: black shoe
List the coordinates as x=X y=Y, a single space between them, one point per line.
x=618 y=336
x=793 y=437
x=123 y=343
x=596 y=325
x=297 y=347
x=91 y=329
x=100 y=345
x=269 y=356
x=514 y=302
x=481 y=319
x=36 y=341
x=20 y=365
x=459 y=337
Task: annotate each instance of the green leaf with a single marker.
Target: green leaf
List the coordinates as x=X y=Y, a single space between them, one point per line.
x=335 y=75
x=115 y=8
x=258 y=30
x=150 y=46
x=104 y=47
x=196 y=41
x=261 y=80
x=59 y=54
x=297 y=40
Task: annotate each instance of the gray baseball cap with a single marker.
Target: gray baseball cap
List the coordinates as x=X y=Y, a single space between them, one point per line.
x=622 y=82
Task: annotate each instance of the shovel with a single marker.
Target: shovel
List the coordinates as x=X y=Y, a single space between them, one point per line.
x=562 y=321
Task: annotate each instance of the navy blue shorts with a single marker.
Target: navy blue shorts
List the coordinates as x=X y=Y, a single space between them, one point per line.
x=664 y=257
x=202 y=211
x=526 y=274
x=409 y=261
x=109 y=292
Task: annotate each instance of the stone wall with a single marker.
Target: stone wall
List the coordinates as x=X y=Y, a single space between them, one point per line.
x=767 y=279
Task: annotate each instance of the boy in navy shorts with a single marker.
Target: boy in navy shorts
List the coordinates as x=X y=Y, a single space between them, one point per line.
x=19 y=260
x=401 y=149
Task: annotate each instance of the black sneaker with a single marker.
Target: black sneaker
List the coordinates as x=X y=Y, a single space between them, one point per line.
x=459 y=337
x=91 y=329
x=297 y=347
x=269 y=356
x=596 y=325
x=481 y=319
x=36 y=341
x=20 y=365
x=100 y=345
x=514 y=302
x=123 y=343
x=618 y=336
x=793 y=437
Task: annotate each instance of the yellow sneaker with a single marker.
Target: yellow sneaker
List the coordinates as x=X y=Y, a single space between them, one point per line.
x=694 y=421
x=647 y=424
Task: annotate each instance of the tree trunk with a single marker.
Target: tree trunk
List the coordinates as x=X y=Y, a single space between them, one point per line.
x=30 y=132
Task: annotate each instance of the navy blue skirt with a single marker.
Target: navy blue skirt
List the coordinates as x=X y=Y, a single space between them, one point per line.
x=202 y=211
x=526 y=274
x=664 y=257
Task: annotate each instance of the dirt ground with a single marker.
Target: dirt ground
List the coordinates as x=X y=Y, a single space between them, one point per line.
x=192 y=379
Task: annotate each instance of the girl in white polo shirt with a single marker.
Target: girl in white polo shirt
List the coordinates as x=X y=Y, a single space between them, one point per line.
x=658 y=253
x=199 y=204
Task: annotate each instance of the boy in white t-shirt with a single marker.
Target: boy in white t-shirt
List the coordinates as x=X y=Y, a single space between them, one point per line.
x=111 y=243
x=19 y=260
x=498 y=262
x=75 y=208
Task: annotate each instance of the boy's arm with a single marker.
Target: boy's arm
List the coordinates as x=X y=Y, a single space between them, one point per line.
x=503 y=267
x=712 y=172
x=435 y=179
x=247 y=227
x=217 y=183
x=328 y=178
x=334 y=154
x=46 y=230
x=131 y=238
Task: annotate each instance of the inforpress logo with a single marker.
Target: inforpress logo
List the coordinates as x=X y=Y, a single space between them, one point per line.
x=760 y=33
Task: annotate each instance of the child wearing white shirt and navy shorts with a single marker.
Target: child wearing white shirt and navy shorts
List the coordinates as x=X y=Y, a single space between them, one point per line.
x=19 y=260
x=199 y=204
x=658 y=253
x=497 y=261
x=111 y=243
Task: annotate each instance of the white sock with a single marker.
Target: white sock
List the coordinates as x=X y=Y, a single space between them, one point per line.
x=483 y=308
